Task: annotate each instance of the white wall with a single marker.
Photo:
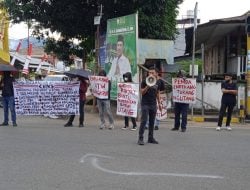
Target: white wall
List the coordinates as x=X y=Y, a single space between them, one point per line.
x=155 y=49
x=212 y=95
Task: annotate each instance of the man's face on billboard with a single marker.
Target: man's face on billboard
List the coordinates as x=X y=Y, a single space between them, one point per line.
x=119 y=48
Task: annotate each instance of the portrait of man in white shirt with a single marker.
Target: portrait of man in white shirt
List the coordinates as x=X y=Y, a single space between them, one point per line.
x=120 y=64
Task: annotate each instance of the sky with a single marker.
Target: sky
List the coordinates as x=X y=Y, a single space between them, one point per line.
x=207 y=10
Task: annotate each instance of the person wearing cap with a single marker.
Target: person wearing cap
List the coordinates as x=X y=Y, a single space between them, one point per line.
x=228 y=100
x=180 y=110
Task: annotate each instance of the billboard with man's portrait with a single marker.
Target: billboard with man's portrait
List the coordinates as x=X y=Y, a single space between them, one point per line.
x=121 y=50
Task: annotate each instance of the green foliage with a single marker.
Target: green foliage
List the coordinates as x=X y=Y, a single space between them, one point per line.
x=73 y=19
x=185 y=64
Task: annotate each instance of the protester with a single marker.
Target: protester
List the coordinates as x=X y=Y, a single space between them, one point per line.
x=150 y=94
x=180 y=109
x=82 y=97
x=104 y=106
x=8 y=98
x=228 y=100
x=162 y=90
x=127 y=77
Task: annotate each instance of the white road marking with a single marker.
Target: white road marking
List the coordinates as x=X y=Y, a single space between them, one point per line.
x=95 y=163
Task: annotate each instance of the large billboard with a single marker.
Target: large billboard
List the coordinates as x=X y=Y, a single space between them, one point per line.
x=121 y=49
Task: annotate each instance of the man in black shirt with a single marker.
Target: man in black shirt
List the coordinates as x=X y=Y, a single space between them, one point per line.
x=148 y=107
x=8 y=98
x=228 y=101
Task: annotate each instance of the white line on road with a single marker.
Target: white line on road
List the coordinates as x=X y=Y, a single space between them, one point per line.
x=95 y=163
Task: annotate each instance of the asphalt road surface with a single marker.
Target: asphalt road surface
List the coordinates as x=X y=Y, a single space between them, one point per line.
x=41 y=154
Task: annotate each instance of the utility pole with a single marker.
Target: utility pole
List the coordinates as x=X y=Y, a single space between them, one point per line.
x=193 y=52
x=97 y=21
x=202 y=79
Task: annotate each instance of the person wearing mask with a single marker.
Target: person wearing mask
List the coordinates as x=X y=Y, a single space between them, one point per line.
x=104 y=106
x=127 y=77
x=150 y=95
x=180 y=109
x=82 y=97
x=228 y=100
x=8 y=98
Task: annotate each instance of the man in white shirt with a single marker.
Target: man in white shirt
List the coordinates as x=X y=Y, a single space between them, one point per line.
x=120 y=64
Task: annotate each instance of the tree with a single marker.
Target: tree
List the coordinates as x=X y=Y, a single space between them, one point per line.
x=74 y=19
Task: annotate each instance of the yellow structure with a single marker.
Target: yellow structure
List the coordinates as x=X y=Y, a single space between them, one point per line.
x=4 y=37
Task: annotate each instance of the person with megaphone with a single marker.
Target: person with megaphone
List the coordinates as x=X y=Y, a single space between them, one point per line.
x=150 y=94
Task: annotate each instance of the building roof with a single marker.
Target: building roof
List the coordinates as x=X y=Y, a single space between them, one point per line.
x=213 y=31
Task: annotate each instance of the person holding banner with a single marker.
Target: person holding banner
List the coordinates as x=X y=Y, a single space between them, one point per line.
x=8 y=98
x=120 y=63
x=127 y=77
x=104 y=106
x=82 y=97
x=228 y=101
x=180 y=109
x=150 y=95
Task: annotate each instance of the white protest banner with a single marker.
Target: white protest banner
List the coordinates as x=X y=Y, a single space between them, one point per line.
x=184 y=90
x=99 y=86
x=127 y=99
x=160 y=115
x=46 y=97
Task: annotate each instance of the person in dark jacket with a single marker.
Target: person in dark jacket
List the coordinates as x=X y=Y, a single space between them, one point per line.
x=8 y=98
x=82 y=98
x=127 y=77
x=180 y=110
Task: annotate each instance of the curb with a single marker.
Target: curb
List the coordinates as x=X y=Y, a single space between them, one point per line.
x=213 y=119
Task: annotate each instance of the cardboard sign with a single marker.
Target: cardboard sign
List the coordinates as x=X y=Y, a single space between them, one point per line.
x=46 y=97
x=160 y=115
x=184 y=90
x=127 y=99
x=99 y=86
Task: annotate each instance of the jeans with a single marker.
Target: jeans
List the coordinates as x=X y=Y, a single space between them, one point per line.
x=126 y=119
x=104 y=106
x=147 y=111
x=223 y=108
x=81 y=110
x=9 y=102
x=180 y=109
x=157 y=123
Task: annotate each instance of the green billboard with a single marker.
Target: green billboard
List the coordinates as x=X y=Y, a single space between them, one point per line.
x=121 y=49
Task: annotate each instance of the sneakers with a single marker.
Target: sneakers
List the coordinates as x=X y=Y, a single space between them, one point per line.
x=81 y=125
x=102 y=126
x=228 y=128
x=156 y=128
x=68 y=125
x=218 y=128
x=134 y=128
x=174 y=129
x=125 y=128
x=4 y=124
x=183 y=130
x=153 y=141
x=14 y=125
x=140 y=142
x=111 y=127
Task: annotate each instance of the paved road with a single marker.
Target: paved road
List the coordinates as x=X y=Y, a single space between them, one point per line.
x=40 y=154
